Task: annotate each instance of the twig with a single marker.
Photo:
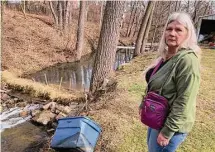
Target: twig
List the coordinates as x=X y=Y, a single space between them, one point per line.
x=61 y=79
x=46 y=79
x=70 y=83
x=86 y=106
x=33 y=79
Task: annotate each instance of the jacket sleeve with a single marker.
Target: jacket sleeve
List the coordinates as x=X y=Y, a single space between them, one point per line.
x=187 y=81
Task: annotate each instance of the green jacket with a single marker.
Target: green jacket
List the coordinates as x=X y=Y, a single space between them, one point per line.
x=180 y=88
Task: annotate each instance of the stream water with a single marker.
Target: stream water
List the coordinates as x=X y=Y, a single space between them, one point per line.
x=77 y=75
x=20 y=135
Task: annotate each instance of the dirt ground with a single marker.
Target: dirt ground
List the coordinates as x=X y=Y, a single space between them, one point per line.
x=32 y=43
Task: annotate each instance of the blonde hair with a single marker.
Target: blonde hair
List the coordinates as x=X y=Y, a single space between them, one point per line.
x=189 y=43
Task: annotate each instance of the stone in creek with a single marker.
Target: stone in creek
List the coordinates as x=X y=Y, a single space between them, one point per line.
x=21 y=104
x=64 y=109
x=24 y=113
x=10 y=101
x=50 y=105
x=60 y=115
x=34 y=112
x=44 y=117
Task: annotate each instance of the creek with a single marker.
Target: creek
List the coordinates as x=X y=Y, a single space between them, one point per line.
x=76 y=75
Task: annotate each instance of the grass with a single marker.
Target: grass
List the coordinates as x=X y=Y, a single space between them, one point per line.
x=36 y=89
x=122 y=129
x=118 y=115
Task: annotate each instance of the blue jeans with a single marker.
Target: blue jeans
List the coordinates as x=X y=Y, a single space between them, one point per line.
x=174 y=142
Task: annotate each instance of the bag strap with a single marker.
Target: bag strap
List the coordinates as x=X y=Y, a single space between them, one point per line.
x=156 y=68
x=173 y=65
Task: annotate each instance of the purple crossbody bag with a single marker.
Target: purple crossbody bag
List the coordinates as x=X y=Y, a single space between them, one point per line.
x=155 y=107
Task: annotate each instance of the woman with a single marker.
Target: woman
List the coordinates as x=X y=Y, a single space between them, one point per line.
x=181 y=82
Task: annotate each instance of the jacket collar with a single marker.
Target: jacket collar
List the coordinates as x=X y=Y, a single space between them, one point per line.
x=172 y=61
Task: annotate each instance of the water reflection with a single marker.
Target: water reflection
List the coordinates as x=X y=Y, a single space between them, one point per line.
x=77 y=75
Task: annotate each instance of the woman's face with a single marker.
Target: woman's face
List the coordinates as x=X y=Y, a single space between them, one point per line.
x=175 y=34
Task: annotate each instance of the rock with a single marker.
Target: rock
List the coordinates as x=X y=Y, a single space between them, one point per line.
x=60 y=115
x=5 y=97
x=50 y=105
x=34 y=112
x=57 y=111
x=64 y=109
x=10 y=101
x=44 y=117
x=1 y=108
x=46 y=107
x=73 y=113
x=15 y=99
x=73 y=106
x=73 y=103
x=24 y=113
x=53 y=108
x=21 y=104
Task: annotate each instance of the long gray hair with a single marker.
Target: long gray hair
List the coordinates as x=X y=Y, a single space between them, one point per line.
x=189 y=43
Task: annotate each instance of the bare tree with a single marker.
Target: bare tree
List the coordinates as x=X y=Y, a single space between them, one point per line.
x=60 y=13
x=22 y=5
x=142 y=30
x=53 y=13
x=80 y=31
x=101 y=14
x=67 y=15
x=108 y=40
x=132 y=17
x=145 y=38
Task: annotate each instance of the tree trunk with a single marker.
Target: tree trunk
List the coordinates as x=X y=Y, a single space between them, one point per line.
x=195 y=13
x=2 y=7
x=86 y=10
x=101 y=15
x=53 y=13
x=132 y=24
x=142 y=30
x=60 y=19
x=80 y=31
x=70 y=14
x=145 y=38
x=23 y=8
x=206 y=8
x=138 y=19
x=179 y=6
x=109 y=36
x=67 y=15
x=176 y=6
x=131 y=18
x=64 y=7
x=188 y=6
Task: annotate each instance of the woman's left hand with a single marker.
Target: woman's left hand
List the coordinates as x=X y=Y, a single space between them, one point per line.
x=162 y=141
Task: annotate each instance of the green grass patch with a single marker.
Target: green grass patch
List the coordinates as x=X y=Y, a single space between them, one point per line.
x=135 y=141
x=137 y=89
